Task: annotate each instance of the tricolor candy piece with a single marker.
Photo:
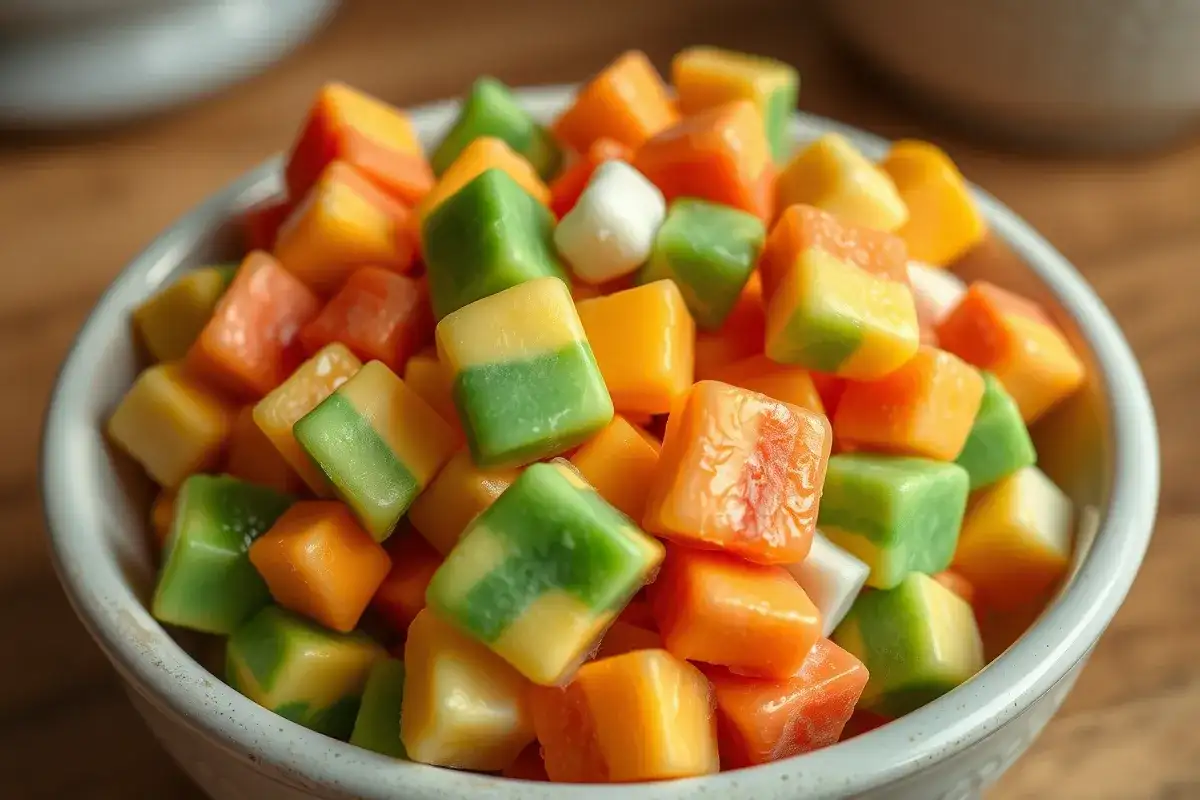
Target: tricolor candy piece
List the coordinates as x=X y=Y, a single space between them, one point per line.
x=540 y=574
x=833 y=175
x=999 y=442
x=832 y=579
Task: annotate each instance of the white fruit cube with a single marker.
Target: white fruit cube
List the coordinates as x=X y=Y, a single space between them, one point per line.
x=832 y=579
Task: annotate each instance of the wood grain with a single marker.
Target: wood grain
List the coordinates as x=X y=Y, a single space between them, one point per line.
x=76 y=207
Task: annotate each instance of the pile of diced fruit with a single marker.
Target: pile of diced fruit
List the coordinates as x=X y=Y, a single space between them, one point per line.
x=634 y=447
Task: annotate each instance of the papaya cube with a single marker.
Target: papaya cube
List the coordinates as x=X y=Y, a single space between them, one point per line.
x=301 y=671
x=643 y=340
x=540 y=574
x=377 y=726
x=943 y=221
x=401 y=596
x=488 y=236
x=171 y=319
x=463 y=706
x=925 y=408
x=831 y=315
x=782 y=382
x=706 y=77
x=720 y=155
x=318 y=562
x=626 y=102
x=344 y=222
x=719 y=609
x=459 y=492
x=251 y=344
x=740 y=472
x=207 y=582
x=831 y=174
x=639 y=613
x=434 y=384
x=170 y=424
x=532 y=393
x=482 y=154
x=740 y=336
x=641 y=716
x=999 y=443
x=1016 y=540
x=918 y=640
x=378 y=445
x=162 y=516
x=760 y=721
x=379 y=315
x=252 y=457
x=528 y=766
x=832 y=579
x=709 y=250
x=278 y=412
x=801 y=228
x=490 y=109
x=1013 y=339
x=570 y=183
x=830 y=388
x=367 y=134
x=619 y=463
x=622 y=637
x=897 y=514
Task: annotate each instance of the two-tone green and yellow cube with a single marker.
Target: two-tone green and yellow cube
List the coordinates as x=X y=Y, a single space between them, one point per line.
x=378 y=444
x=541 y=573
x=526 y=383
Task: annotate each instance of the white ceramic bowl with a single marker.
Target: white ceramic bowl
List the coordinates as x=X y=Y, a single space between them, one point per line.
x=96 y=512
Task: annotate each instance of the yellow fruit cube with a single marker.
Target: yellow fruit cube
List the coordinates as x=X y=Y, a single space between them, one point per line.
x=171 y=319
x=454 y=498
x=833 y=175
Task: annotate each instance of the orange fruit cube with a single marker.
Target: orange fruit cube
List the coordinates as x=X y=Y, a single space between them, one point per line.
x=619 y=462
x=401 y=594
x=254 y=458
x=782 y=382
x=626 y=102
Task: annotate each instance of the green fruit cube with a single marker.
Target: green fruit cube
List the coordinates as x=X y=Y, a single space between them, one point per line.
x=897 y=514
x=999 y=442
x=378 y=725
x=207 y=582
x=918 y=641
x=709 y=250
x=301 y=671
x=491 y=110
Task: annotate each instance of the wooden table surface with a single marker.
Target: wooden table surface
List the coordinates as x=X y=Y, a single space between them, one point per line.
x=76 y=207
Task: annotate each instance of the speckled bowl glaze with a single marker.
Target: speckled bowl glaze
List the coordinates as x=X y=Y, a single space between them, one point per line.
x=1102 y=448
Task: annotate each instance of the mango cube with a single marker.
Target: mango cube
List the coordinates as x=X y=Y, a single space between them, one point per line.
x=626 y=102
x=455 y=497
x=377 y=726
x=489 y=236
x=832 y=579
x=643 y=340
x=482 y=154
x=782 y=382
x=943 y=221
x=170 y=424
x=918 y=640
x=532 y=393
x=1016 y=540
x=641 y=716
x=740 y=336
x=207 y=582
x=897 y=514
x=318 y=562
x=434 y=384
x=377 y=444
x=278 y=412
x=344 y=222
x=252 y=457
x=171 y=319
x=1015 y=340
x=619 y=462
x=301 y=671
x=463 y=707
x=623 y=637
x=925 y=408
x=540 y=574
x=831 y=174
x=401 y=596
x=752 y=618
x=760 y=721
x=999 y=443
x=740 y=472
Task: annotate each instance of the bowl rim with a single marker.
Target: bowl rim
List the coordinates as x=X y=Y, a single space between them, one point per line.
x=163 y=673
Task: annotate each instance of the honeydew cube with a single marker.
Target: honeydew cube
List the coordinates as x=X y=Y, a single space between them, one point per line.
x=832 y=578
x=831 y=174
x=490 y=109
x=999 y=443
x=897 y=514
x=301 y=671
x=709 y=250
x=918 y=640
x=207 y=582
x=459 y=492
x=170 y=424
x=534 y=391
x=1016 y=540
x=463 y=706
x=542 y=572
x=173 y=317
x=488 y=236
x=377 y=726
x=378 y=444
